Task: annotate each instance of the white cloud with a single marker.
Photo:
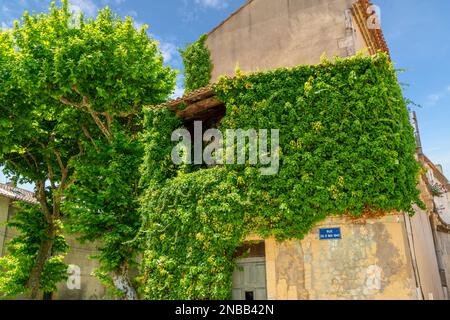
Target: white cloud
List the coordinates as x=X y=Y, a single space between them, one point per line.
x=132 y=13
x=192 y=10
x=138 y=24
x=178 y=92
x=168 y=51
x=434 y=98
x=5 y=15
x=88 y=7
x=216 y=4
x=5 y=26
x=112 y=2
x=5 y=9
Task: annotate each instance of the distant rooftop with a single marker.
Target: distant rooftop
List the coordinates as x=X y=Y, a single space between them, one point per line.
x=17 y=194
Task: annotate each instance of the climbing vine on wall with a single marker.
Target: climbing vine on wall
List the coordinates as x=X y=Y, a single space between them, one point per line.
x=197 y=64
x=347 y=148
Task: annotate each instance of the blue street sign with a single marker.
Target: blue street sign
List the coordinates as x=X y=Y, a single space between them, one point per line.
x=330 y=233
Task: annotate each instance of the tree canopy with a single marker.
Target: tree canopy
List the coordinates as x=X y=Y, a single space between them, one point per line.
x=73 y=89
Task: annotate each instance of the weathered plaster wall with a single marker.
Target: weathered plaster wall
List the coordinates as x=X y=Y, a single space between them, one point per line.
x=371 y=261
x=422 y=244
x=4 y=207
x=439 y=219
x=443 y=245
x=268 y=34
x=90 y=287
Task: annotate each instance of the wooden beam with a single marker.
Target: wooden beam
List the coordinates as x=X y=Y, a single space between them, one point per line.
x=215 y=114
x=190 y=98
x=199 y=107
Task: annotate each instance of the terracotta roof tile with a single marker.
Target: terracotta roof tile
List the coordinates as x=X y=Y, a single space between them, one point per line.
x=17 y=194
x=191 y=97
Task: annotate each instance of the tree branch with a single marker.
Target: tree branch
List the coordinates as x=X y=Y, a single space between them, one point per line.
x=87 y=134
x=42 y=198
x=67 y=102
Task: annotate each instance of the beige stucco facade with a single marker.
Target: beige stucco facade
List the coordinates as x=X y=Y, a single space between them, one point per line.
x=267 y=34
x=88 y=287
x=391 y=257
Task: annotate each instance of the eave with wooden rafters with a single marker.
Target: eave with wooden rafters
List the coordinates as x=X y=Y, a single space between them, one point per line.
x=201 y=104
x=373 y=37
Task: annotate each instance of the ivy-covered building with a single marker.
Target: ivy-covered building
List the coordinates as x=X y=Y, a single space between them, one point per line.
x=336 y=223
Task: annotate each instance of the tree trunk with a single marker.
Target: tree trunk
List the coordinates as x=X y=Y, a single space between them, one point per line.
x=122 y=283
x=44 y=253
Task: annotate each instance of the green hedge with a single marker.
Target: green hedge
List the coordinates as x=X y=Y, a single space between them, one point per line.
x=347 y=148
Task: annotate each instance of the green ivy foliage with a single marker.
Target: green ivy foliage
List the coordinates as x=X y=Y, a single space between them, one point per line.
x=158 y=166
x=347 y=148
x=197 y=64
x=16 y=265
x=197 y=221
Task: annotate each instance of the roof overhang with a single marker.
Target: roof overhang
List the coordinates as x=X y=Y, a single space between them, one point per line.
x=373 y=37
x=17 y=194
x=201 y=104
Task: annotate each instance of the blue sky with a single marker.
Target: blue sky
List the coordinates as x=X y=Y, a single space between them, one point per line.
x=417 y=33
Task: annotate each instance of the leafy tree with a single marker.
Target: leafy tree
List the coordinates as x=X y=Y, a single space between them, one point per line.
x=22 y=250
x=37 y=139
x=102 y=206
x=71 y=98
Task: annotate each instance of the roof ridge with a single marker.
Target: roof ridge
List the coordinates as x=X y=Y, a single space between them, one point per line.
x=231 y=16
